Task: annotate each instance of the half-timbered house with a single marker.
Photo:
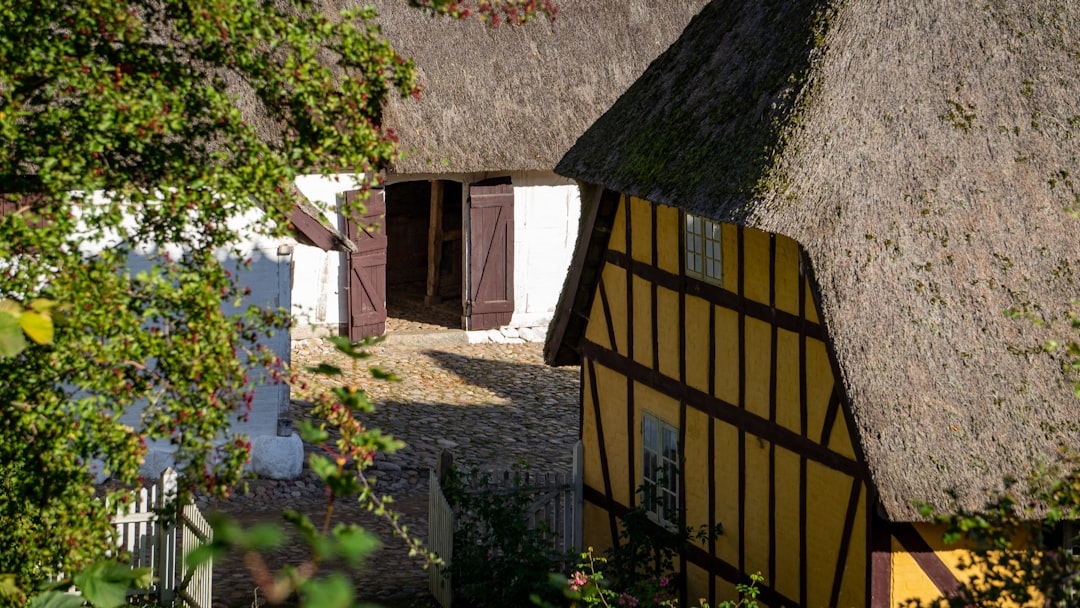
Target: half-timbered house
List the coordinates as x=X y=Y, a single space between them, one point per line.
x=800 y=229
x=472 y=215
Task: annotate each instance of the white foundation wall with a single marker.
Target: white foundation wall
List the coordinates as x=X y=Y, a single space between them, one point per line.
x=318 y=283
x=546 y=212
x=269 y=279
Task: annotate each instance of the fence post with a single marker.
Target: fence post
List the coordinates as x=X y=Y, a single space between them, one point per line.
x=166 y=536
x=579 y=504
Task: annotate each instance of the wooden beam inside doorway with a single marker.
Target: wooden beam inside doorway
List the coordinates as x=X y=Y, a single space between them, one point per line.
x=435 y=243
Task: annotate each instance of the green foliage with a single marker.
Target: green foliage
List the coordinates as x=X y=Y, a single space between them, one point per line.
x=498 y=559
x=1016 y=555
x=146 y=131
x=588 y=586
x=646 y=550
x=343 y=469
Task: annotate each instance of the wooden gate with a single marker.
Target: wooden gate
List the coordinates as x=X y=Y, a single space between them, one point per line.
x=367 y=268
x=153 y=544
x=490 y=302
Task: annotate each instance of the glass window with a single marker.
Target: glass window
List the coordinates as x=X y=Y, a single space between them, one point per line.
x=660 y=469
x=703 y=249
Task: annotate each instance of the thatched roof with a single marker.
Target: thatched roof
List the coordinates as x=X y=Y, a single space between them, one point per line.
x=923 y=153
x=516 y=98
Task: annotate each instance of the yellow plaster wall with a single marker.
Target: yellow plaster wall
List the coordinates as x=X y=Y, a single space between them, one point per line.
x=668 y=228
x=643 y=326
x=697 y=343
x=853 y=591
x=641 y=230
x=826 y=507
x=811 y=307
x=757 y=505
x=756 y=261
x=596 y=330
x=787 y=275
x=611 y=388
x=596 y=529
x=617 y=240
x=695 y=471
x=727 y=355
x=667 y=331
x=787 y=380
x=786 y=577
x=614 y=279
x=726 y=459
x=819 y=386
x=729 y=235
x=758 y=366
x=907 y=579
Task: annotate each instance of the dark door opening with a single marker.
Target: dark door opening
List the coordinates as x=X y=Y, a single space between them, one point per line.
x=424 y=255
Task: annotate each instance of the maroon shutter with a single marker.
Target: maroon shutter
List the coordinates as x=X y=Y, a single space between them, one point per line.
x=491 y=255
x=367 y=268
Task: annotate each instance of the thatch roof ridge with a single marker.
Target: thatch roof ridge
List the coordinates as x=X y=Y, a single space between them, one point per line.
x=516 y=98
x=923 y=161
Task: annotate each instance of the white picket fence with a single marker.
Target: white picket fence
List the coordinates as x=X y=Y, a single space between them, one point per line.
x=557 y=503
x=164 y=548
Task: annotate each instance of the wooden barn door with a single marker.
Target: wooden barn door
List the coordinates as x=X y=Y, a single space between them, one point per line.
x=490 y=299
x=367 y=268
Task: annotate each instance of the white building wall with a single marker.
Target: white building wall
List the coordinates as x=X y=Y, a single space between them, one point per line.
x=546 y=211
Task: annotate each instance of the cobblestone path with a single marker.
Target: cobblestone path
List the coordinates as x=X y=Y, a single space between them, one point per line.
x=495 y=404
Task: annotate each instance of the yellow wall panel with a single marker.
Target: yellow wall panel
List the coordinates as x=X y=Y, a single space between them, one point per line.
x=596 y=330
x=758 y=366
x=643 y=327
x=641 y=230
x=668 y=228
x=727 y=355
x=840 y=439
x=658 y=404
x=787 y=274
x=695 y=470
x=756 y=528
x=612 y=391
x=726 y=456
x=786 y=577
x=729 y=239
x=811 y=307
x=617 y=240
x=595 y=529
x=667 y=324
x=788 y=408
x=819 y=386
x=697 y=343
x=908 y=579
x=853 y=589
x=590 y=440
x=614 y=279
x=756 y=265
x=697 y=584
x=827 y=494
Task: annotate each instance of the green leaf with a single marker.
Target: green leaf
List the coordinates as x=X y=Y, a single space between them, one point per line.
x=56 y=599
x=37 y=326
x=12 y=341
x=325 y=369
x=311 y=433
x=334 y=591
x=104 y=584
x=355 y=543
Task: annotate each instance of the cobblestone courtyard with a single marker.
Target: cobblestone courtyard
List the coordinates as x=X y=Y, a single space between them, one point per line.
x=495 y=404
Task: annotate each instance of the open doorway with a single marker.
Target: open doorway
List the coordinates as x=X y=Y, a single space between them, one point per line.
x=424 y=255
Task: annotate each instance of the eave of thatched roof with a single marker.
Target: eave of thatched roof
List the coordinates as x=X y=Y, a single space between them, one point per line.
x=516 y=98
x=922 y=153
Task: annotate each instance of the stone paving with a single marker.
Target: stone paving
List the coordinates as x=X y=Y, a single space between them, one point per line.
x=495 y=404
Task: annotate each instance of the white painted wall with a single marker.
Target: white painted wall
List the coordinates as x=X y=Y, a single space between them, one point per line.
x=546 y=211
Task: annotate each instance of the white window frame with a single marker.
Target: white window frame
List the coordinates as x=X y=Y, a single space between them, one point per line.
x=703 y=258
x=660 y=469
